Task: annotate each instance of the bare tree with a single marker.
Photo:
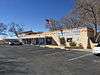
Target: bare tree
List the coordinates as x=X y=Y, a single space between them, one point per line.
x=88 y=11
x=3 y=27
x=72 y=20
x=16 y=28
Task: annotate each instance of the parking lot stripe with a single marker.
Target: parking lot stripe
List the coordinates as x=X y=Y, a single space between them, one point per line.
x=55 y=53
x=72 y=59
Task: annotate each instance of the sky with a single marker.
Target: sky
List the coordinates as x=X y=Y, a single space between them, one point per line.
x=32 y=13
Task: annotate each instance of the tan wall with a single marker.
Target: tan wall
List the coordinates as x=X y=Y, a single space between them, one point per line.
x=83 y=37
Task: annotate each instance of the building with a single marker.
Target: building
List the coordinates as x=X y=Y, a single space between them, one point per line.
x=61 y=38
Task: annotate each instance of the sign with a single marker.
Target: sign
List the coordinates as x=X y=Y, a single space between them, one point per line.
x=61 y=34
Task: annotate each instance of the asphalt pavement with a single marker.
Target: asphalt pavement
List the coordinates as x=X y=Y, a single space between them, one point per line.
x=31 y=60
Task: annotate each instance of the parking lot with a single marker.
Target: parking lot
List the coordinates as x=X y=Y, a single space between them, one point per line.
x=30 y=60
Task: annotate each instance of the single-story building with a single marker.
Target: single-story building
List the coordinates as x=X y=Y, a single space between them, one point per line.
x=62 y=38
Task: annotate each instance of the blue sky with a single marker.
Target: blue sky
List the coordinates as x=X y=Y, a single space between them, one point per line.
x=32 y=13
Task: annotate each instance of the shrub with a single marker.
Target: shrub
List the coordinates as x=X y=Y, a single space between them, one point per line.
x=80 y=46
x=72 y=44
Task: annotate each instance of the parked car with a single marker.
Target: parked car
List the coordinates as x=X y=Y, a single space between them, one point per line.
x=96 y=49
x=14 y=42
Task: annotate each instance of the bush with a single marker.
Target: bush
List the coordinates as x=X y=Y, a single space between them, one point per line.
x=80 y=46
x=72 y=44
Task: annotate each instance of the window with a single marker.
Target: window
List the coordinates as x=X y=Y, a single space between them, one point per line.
x=69 y=39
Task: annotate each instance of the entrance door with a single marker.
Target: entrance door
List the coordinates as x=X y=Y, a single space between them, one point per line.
x=62 y=41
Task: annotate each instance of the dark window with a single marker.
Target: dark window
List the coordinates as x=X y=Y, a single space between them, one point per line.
x=62 y=40
x=48 y=40
x=69 y=39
